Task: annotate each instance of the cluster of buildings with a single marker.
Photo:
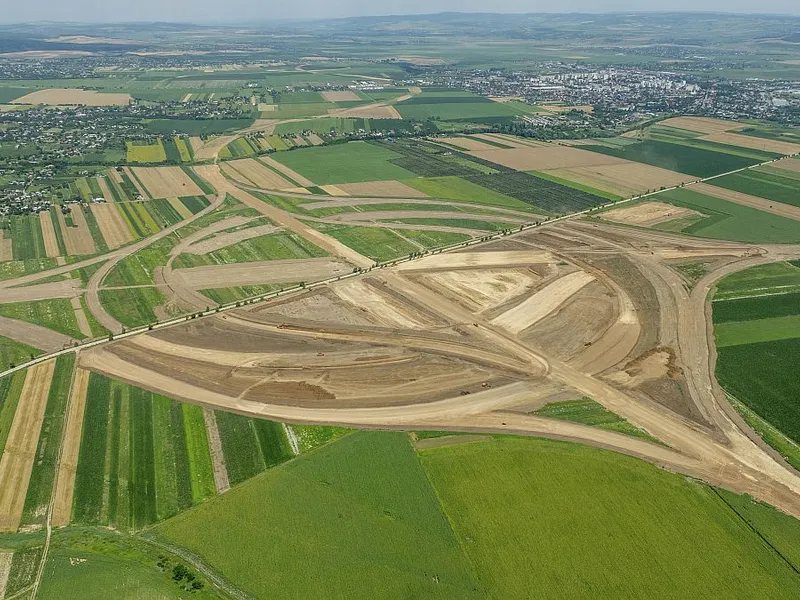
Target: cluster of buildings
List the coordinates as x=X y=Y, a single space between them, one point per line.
x=624 y=94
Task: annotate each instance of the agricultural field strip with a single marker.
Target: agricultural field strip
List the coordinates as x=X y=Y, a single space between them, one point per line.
x=49 y=234
x=64 y=490
x=777 y=208
x=19 y=455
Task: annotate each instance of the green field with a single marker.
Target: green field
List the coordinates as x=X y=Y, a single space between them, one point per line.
x=344 y=163
x=455 y=107
x=132 y=307
x=376 y=243
x=250 y=445
x=360 y=511
x=730 y=221
x=14 y=353
x=762 y=375
x=26 y=237
x=146 y=153
x=143 y=457
x=138 y=268
x=56 y=314
x=762 y=280
x=279 y=246
x=461 y=190
x=103 y=564
x=588 y=412
x=763 y=184
x=676 y=157
x=756 y=315
x=495 y=518
x=10 y=392
x=508 y=494
x=184 y=149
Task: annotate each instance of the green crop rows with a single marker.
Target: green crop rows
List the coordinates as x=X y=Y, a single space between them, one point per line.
x=589 y=412
x=56 y=314
x=763 y=184
x=43 y=475
x=677 y=157
x=152 y=451
x=267 y=247
x=26 y=237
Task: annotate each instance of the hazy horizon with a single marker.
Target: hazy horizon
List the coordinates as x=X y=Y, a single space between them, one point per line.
x=206 y=11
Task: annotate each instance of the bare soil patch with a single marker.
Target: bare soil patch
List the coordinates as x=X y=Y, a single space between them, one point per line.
x=341 y=96
x=319 y=305
x=59 y=97
x=109 y=197
x=479 y=290
x=20 y=450
x=195 y=142
x=623 y=179
x=115 y=231
x=380 y=307
x=369 y=111
x=575 y=325
x=49 y=234
x=221 y=480
x=68 y=463
x=543 y=158
x=467 y=143
x=259 y=175
x=703 y=124
x=460 y=260
x=142 y=192
x=315 y=139
x=756 y=143
x=648 y=214
x=275 y=271
x=333 y=190
x=167 y=182
x=34 y=335
x=790 y=164
x=380 y=189
x=543 y=302
x=293 y=175
x=67 y=288
x=78 y=240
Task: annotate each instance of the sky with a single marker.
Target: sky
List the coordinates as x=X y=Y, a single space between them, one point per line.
x=203 y=11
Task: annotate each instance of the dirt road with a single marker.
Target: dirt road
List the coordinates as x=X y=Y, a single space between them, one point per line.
x=212 y=174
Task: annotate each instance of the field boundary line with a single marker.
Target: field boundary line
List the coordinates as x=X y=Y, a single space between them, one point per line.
x=756 y=531
x=218 y=580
